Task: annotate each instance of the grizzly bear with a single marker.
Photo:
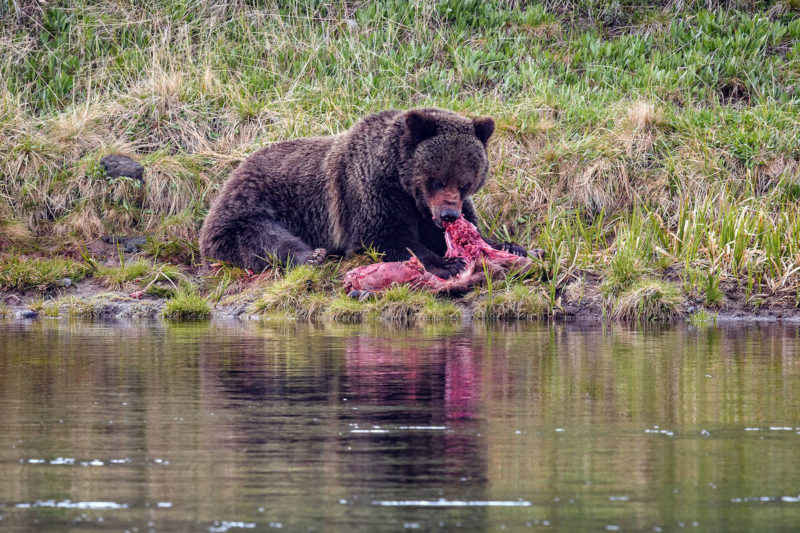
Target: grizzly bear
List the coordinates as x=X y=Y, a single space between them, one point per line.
x=388 y=182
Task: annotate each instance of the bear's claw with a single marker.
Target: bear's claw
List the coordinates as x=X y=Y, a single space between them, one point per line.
x=450 y=267
x=512 y=248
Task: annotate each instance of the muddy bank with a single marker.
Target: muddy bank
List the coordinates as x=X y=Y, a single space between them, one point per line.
x=112 y=279
x=93 y=299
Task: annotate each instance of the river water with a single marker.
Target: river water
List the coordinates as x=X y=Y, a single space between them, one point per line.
x=237 y=426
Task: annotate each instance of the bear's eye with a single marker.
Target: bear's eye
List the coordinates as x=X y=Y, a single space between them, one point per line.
x=437 y=184
x=463 y=190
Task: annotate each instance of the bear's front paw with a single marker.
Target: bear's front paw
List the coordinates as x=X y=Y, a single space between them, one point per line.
x=316 y=257
x=537 y=253
x=449 y=267
x=512 y=248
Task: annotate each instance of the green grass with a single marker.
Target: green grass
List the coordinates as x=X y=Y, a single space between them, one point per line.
x=186 y=304
x=713 y=294
x=116 y=277
x=17 y=273
x=436 y=311
x=51 y=310
x=160 y=280
x=288 y=294
x=702 y=318
x=347 y=310
x=634 y=141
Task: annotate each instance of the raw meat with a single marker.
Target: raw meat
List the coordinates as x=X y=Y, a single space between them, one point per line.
x=464 y=241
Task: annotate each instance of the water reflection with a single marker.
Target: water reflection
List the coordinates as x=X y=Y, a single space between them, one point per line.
x=374 y=416
x=219 y=426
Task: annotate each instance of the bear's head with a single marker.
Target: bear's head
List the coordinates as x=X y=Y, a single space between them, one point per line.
x=447 y=160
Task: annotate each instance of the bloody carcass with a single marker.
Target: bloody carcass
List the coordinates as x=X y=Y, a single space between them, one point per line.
x=463 y=241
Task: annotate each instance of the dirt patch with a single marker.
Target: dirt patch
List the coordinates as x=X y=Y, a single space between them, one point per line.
x=734 y=92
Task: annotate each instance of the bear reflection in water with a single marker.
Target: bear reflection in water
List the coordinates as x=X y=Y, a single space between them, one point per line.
x=385 y=371
x=409 y=407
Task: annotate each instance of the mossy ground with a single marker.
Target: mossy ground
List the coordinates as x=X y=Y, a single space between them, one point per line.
x=102 y=305
x=652 y=141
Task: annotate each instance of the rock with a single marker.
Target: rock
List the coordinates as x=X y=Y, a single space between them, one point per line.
x=361 y=296
x=28 y=313
x=129 y=244
x=120 y=165
x=12 y=299
x=66 y=282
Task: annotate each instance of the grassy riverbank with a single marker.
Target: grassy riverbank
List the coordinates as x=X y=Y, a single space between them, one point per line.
x=652 y=150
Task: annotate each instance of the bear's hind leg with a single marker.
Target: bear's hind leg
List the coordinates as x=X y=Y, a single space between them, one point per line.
x=255 y=244
x=267 y=240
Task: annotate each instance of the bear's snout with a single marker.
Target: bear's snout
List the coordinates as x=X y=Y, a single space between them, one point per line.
x=445 y=205
x=448 y=214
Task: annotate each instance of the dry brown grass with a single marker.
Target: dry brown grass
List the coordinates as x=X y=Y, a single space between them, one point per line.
x=639 y=128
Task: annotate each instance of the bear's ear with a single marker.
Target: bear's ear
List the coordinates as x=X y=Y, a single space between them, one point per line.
x=484 y=127
x=420 y=126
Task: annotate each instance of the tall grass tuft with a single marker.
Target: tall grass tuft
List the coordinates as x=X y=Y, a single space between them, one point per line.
x=519 y=301
x=288 y=293
x=650 y=300
x=186 y=304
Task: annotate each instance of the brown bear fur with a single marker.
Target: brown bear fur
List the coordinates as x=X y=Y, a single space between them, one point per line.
x=387 y=182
